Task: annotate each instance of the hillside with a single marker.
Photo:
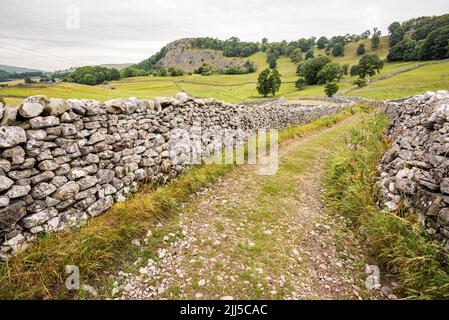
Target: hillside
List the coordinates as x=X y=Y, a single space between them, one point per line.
x=14 y=69
x=239 y=88
x=350 y=53
x=118 y=66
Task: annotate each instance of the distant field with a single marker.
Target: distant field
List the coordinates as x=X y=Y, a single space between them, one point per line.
x=241 y=88
x=431 y=77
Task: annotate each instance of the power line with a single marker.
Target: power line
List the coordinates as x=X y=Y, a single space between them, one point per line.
x=36 y=52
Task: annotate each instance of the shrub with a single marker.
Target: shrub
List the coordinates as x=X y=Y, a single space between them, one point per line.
x=360 y=83
x=301 y=83
x=330 y=89
x=338 y=50
x=175 y=72
x=204 y=70
x=309 y=55
x=361 y=49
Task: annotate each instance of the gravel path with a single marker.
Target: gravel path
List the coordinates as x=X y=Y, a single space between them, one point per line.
x=257 y=237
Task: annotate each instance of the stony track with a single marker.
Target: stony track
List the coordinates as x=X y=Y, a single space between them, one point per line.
x=257 y=237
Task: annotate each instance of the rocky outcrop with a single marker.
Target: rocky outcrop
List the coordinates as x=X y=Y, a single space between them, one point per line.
x=181 y=54
x=64 y=161
x=414 y=171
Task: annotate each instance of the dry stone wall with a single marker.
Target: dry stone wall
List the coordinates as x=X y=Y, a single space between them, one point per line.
x=414 y=171
x=65 y=161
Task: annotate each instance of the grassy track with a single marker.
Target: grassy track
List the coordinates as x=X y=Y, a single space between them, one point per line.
x=105 y=242
x=256 y=237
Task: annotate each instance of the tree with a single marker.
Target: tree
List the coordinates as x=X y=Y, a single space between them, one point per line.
x=330 y=89
x=322 y=42
x=296 y=56
x=361 y=49
x=368 y=66
x=304 y=45
x=28 y=81
x=264 y=45
x=397 y=33
x=345 y=69
x=312 y=42
x=301 y=83
x=114 y=74
x=375 y=40
x=331 y=72
x=2 y=101
x=309 y=55
x=89 y=79
x=271 y=60
x=96 y=75
x=275 y=81
x=263 y=83
x=406 y=50
x=250 y=67
x=338 y=50
x=269 y=82
x=310 y=69
x=435 y=45
x=366 y=34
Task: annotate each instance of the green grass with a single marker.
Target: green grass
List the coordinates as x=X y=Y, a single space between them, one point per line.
x=431 y=77
x=105 y=242
x=350 y=54
x=399 y=245
x=242 y=88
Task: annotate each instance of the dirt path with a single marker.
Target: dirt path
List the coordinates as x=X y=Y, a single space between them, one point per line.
x=257 y=237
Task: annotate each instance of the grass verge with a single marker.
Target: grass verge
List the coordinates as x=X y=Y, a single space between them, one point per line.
x=398 y=244
x=105 y=242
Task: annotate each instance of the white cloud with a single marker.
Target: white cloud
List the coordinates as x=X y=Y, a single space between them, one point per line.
x=118 y=31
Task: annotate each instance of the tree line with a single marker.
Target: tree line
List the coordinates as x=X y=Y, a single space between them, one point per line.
x=424 y=38
x=92 y=75
x=7 y=76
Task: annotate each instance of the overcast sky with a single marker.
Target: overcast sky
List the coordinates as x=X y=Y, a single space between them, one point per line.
x=59 y=34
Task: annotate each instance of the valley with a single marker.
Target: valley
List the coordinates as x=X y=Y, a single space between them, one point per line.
x=308 y=169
